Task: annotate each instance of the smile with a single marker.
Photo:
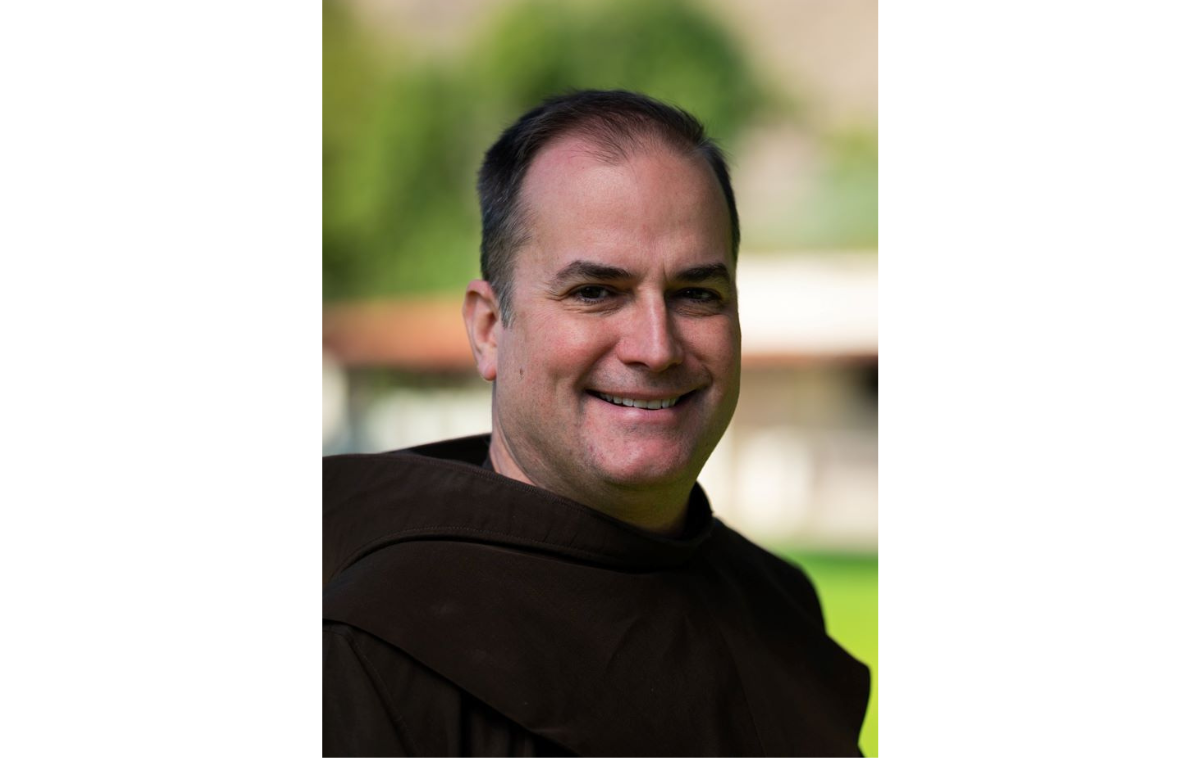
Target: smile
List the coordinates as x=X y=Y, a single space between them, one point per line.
x=652 y=405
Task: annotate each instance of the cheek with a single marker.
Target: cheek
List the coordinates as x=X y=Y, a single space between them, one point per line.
x=570 y=350
x=549 y=354
x=718 y=345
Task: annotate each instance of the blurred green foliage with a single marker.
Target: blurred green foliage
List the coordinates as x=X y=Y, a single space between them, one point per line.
x=404 y=135
x=845 y=210
x=403 y=140
x=397 y=195
x=669 y=48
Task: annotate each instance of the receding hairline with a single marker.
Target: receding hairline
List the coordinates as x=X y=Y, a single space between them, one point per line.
x=578 y=144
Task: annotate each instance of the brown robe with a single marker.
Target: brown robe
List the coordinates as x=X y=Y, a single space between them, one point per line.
x=470 y=614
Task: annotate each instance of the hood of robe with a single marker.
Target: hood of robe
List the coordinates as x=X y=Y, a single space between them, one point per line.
x=601 y=637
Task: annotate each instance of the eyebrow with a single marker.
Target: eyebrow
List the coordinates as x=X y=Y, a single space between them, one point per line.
x=589 y=270
x=600 y=272
x=699 y=274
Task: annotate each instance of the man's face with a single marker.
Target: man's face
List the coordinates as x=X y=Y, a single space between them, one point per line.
x=624 y=294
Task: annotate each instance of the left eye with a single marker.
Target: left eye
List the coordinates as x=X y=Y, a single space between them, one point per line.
x=699 y=295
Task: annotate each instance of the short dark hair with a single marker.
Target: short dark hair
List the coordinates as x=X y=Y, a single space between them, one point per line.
x=615 y=122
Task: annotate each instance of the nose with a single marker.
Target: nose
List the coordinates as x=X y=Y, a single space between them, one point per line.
x=649 y=338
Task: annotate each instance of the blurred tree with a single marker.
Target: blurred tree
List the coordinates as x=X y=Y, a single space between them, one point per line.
x=401 y=148
x=669 y=49
x=844 y=213
x=351 y=79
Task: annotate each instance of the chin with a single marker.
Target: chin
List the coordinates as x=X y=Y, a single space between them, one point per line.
x=647 y=468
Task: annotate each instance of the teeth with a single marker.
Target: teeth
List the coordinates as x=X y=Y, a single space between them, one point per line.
x=652 y=405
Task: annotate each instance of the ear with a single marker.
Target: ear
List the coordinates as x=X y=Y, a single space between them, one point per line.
x=481 y=315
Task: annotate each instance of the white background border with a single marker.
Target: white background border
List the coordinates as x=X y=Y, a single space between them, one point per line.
x=161 y=312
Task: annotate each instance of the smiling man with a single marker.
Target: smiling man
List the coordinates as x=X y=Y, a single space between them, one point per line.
x=616 y=346
x=561 y=586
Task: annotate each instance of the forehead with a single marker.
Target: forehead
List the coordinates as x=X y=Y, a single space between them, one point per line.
x=652 y=205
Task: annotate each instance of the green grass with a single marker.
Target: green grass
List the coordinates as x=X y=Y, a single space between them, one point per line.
x=848 y=586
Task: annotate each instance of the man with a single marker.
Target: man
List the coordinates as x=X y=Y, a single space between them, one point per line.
x=560 y=586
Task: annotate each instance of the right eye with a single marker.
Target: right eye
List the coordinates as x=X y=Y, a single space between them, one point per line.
x=592 y=293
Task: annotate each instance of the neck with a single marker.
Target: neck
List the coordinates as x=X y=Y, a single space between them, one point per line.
x=659 y=510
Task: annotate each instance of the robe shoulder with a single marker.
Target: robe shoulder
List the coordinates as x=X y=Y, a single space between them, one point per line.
x=562 y=627
x=786 y=579
x=379 y=701
x=583 y=655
